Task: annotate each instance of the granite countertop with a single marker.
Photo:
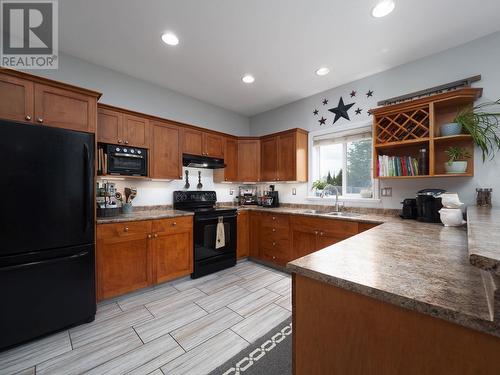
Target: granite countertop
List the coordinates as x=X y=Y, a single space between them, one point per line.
x=483 y=233
x=143 y=214
x=419 y=266
x=374 y=218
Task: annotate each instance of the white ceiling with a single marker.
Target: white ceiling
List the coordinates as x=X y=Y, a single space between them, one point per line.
x=280 y=42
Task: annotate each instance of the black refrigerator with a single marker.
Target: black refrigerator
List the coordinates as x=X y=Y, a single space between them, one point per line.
x=47 y=276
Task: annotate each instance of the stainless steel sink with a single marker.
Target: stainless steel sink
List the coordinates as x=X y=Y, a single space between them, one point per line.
x=342 y=213
x=312 y=212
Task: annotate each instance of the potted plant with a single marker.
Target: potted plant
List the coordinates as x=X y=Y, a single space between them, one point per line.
x=483 y=126
x=457 y=162
x=318 y=186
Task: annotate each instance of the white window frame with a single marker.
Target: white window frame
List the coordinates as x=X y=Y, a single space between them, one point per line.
x=345 y=197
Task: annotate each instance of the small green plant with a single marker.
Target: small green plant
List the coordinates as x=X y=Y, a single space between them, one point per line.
x=483 y=126
x=319 y=184
x=457 y=154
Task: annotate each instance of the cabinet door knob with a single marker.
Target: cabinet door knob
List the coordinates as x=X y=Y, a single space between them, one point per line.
x=274 y=229
x=316 y=232
x=320 y=233
x=149 y=236
x=274 y=243
x=126 y=142
x=126 y=229
x=174 y=224
x=28 y=118
x=120 y=141
x=274 y=217
x=155 y=235
x=40 y=120
x=274 y=258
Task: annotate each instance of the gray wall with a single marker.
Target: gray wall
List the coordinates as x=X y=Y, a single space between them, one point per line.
x=478 y=57
x=125 y=91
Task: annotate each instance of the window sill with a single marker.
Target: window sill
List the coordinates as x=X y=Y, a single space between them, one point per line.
x=344 y=199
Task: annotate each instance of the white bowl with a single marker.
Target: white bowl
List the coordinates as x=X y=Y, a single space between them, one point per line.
x=451 y=217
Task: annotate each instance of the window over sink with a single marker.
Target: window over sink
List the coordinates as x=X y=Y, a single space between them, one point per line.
x=342 y=163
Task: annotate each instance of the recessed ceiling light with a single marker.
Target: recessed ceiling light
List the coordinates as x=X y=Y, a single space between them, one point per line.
x=248 y=78
x=322 y=71
x=383 y=8
x=170 y=39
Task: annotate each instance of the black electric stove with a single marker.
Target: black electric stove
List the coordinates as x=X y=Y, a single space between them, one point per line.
x=208 y=257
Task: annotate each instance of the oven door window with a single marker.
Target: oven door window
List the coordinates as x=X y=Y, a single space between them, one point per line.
x=206 y=237
x=127 y=164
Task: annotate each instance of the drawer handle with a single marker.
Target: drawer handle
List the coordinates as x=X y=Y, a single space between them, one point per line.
x=126 y=229
x=40 y=120
x=28 y=118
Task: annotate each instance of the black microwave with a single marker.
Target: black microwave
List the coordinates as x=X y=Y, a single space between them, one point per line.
x=125 y=161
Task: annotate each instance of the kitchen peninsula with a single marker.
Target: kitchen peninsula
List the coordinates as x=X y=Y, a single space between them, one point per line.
x=401 y=304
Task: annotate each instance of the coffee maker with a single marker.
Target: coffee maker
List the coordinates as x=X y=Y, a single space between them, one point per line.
x=271 y=198
x=247 y=195
x=429 y=204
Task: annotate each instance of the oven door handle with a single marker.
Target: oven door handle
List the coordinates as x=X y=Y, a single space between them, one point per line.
x=213 y=217
x=128 y=155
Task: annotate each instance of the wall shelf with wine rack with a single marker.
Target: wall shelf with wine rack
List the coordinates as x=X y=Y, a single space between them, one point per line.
x=401 y=131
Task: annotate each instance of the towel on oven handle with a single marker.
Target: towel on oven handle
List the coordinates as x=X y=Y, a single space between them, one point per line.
x=220 y=239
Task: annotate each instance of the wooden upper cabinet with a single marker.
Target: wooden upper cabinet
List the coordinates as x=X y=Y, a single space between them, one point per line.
x=66 y=109
x=269 y=159
x=165 y=154
x=213 y=145
x=192 y=142
x=287 y=168
x=249 y=160
x=196 y=142
x=109 y=126
x=119 y=127
x=284 y=156
x=230 y=172
x=16 y=98
x=135 y=131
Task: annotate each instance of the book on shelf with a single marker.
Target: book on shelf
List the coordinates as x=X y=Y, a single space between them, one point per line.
x=396 y=166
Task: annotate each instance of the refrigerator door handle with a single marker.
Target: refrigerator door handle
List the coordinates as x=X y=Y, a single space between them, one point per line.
x=44 y=262
x=86 y=183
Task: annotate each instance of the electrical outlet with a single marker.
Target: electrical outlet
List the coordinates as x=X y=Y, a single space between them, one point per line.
x=231 y=191
x=294 y=191
x=386 y=192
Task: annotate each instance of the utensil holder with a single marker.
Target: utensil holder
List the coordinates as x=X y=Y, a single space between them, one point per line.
x=127 y=208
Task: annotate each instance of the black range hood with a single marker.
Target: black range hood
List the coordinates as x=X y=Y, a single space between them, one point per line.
x=196 y=161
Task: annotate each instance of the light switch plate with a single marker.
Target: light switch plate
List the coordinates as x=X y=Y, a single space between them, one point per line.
x=231 y=192
x=386 y=192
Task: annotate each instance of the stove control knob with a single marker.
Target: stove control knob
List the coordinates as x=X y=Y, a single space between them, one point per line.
x=132 y=151
x=118 y=149
x=125 y=150
x=139 y=152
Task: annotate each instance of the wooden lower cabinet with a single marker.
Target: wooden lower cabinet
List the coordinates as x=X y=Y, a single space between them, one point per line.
x=134 y=255
x=243 y=234
x=123 y=258
x=172 y=248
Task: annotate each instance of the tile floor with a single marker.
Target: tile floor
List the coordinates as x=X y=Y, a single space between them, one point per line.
x=182 y=327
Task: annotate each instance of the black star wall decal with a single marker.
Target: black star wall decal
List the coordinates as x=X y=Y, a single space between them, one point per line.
x=322 y=120
x=315 y=112
x=341 y=110
x=369 y=94
x=358 y=111
x=353 y=94
x=325 y=101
